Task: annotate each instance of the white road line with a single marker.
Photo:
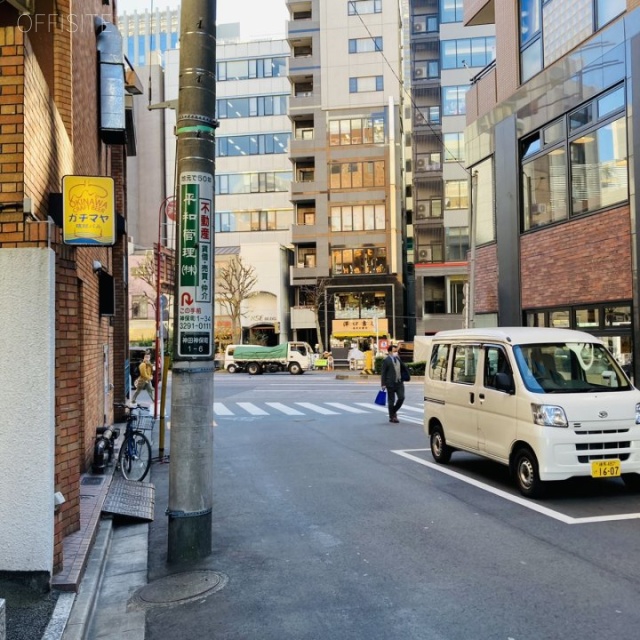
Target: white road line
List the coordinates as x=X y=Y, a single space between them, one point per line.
x=373 y=407
x=345 y=407
x=533 y=506
x=220 y=410
x=317 y=408
x=251 y=408
x=284 y=409
x=406 y=407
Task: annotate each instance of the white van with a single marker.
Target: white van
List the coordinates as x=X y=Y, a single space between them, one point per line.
x=550 y=404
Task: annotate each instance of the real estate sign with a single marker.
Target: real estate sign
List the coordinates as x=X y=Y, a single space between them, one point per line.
x=195 y=266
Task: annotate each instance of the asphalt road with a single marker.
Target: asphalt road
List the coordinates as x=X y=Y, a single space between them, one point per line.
x=330 y=522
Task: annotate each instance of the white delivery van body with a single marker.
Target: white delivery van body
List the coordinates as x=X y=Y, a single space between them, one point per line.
x=550 y=403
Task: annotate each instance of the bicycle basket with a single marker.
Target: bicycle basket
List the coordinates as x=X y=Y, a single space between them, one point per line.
x=144 y=423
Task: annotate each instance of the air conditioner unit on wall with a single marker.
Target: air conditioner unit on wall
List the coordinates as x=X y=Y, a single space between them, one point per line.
x=421 y=163
x=417 y=27
x=421 y=211
x=423 y=254
x=421 y=72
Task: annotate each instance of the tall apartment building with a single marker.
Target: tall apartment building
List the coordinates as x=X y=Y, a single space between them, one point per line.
x=347 y=158
x=253 y=215
x=445 y=55
x=551 y=139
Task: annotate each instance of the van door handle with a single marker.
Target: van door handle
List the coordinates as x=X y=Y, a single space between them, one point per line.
x=471 y=397
x=481 y=397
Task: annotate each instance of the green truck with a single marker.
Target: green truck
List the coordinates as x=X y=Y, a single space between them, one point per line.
x=294 y=357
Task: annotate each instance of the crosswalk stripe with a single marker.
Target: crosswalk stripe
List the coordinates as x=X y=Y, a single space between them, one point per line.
x=251 y=408
x=317 y=408
x=374 y=407
x=283 y=407
x=345 y=407
x=416 y=409
x=220 y=410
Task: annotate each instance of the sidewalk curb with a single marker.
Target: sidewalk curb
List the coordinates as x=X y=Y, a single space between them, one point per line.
x=79 y=617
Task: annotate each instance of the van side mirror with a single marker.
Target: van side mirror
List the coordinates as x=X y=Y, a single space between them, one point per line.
x=504 y=382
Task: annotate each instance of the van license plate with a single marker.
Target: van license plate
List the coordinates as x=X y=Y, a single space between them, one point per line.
x=605 y=468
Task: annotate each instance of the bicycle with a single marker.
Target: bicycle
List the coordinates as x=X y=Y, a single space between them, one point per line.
x=134 y=458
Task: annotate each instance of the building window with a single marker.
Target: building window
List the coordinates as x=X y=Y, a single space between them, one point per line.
x=366 y=84
x=365 y=45
x=232 y=107
x=360 y=261
x=456 y=296
x=451 y=10
x=456 y=244
x=595 y=158
x=356 y=131
x=454 y=147
x=607 y=10
x=270 y=220
x=360 y=7
x=426 y=69
x=430 y=244
x=139 y=307
x=251 y=68
x=429 y=209
x=427 y=115
x=467 y=52
x=360 y=304
x=456 y=194
x=354 y=175
x=368 y=217
x=265 y=182
x=307 y=257
x=454 y=101
x=425 y=24
x=252 y=145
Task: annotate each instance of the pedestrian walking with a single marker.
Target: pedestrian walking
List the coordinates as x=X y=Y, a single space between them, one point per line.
x=143 y=381
x=394 y=374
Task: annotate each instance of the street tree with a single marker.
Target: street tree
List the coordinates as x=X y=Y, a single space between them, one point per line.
x=146 y=271
x=315 y=298
x=235 y=282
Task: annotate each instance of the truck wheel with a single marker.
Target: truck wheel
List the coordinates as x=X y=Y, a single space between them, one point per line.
x=232 y=368
x=253 y=369
x=440 y=450
x=295 y=369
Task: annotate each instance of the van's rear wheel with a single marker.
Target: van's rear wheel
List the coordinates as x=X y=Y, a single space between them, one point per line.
x=527 y=475
x=253 y=369
x=440 y=450
x=295 y=369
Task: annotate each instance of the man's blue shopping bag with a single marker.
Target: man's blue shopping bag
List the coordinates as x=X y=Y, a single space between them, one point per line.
x=381 y=398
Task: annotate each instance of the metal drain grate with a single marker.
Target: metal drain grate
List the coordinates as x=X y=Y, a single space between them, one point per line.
x=132 y=499
x=92 y=480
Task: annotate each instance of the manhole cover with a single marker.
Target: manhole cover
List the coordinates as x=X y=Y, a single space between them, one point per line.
x=180 y=588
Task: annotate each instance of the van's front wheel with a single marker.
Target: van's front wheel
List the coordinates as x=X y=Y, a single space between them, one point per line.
x=440 y=450
x=527 y=475
x=632 y=481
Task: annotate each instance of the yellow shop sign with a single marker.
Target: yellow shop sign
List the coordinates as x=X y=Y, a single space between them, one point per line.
x=88 y=210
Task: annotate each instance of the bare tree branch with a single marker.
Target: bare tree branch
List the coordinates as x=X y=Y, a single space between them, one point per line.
x=235 y=282
x=316 y=299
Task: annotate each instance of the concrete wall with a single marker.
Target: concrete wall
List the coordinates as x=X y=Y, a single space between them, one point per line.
x=27 y=419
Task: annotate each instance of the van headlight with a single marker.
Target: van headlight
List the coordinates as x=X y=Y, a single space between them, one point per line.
x=638 y=413
x=547 y=415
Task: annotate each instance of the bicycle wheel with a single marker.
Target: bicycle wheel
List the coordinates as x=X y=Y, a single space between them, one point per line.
x=135 y=456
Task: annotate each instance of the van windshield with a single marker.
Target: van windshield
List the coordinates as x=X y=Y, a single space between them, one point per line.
x=570 y=367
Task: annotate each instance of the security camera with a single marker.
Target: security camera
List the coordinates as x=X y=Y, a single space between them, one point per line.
x=97 y=266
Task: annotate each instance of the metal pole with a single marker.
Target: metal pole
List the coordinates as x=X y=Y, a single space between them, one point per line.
x=191 y=469
x=472 y=253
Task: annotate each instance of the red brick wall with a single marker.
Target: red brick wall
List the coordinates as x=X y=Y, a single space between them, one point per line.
x=585 y=260
x=54 y=108
x=486 y=280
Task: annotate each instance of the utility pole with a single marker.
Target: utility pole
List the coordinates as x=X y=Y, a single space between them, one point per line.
x=191 y=470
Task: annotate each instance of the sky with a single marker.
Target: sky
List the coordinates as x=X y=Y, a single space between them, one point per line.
x=256 y=17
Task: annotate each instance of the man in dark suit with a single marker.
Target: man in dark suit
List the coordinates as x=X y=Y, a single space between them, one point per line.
x=393 y=372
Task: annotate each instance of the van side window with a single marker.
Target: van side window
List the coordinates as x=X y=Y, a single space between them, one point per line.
x=465 y=360
x=495 y=361
x=438 y=362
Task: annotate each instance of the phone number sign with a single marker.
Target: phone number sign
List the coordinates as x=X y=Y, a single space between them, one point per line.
x=195 y=266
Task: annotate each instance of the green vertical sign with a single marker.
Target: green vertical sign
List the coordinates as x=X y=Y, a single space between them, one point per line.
x=189 y=236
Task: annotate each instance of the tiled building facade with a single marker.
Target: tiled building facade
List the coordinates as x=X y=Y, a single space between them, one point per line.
x=550 y=142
